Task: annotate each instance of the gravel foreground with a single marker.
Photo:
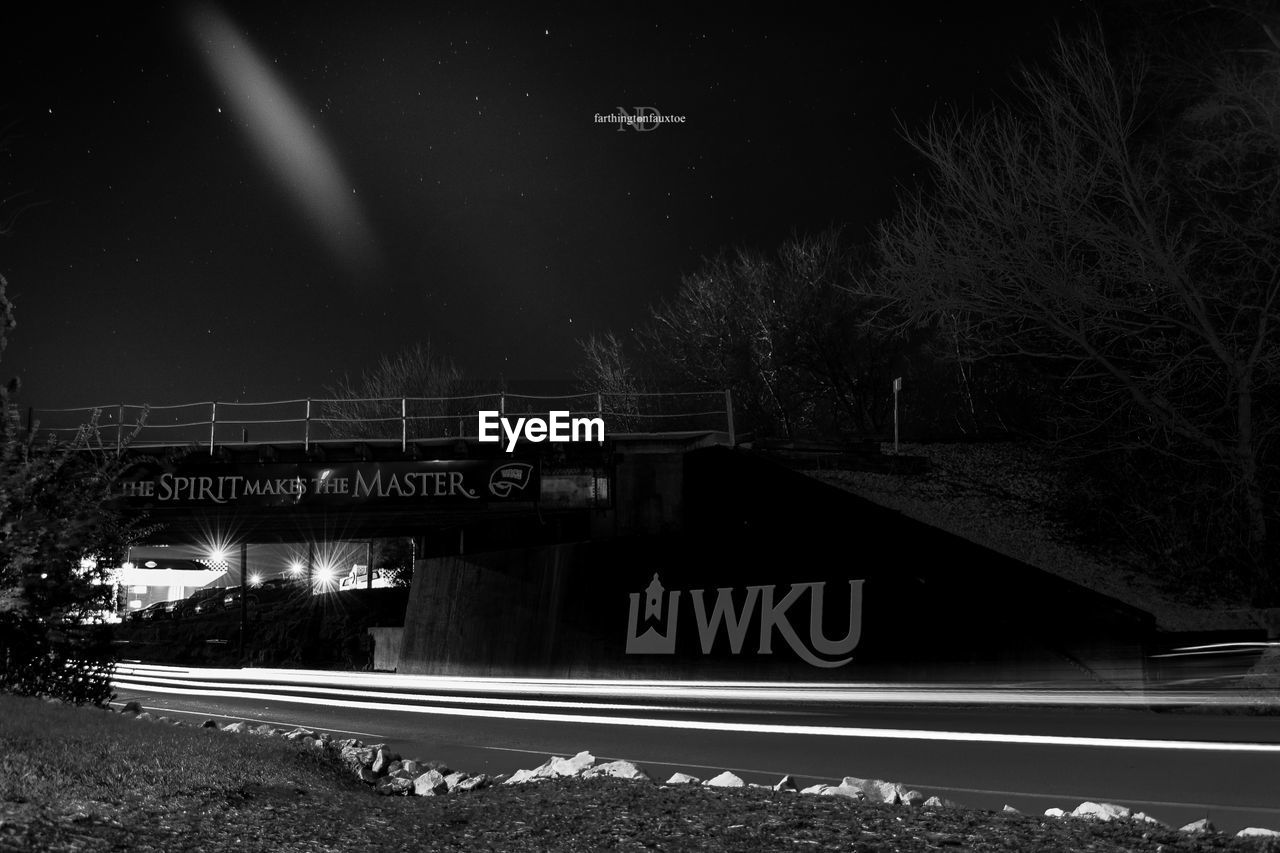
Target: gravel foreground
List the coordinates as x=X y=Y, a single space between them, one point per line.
x=79 y=779
x=566 y=815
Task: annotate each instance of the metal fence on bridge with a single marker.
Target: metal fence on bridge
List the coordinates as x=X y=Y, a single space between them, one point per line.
x=389 y=420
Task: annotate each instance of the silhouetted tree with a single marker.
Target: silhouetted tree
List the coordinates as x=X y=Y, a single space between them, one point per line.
x=60 y=534
x=608 y=371
x=371 y=406
x=782 y=332
x=1122 y=234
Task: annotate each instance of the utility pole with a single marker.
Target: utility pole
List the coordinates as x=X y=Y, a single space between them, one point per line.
x=897 y=388
x=244 y=597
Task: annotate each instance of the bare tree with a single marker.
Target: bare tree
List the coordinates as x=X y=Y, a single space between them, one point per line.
x=1125 y=237
x=7 y=320
x=608 y=371
x=780 y=331
x=371 y=406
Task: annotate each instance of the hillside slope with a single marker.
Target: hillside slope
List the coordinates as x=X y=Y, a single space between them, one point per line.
x=997 y=495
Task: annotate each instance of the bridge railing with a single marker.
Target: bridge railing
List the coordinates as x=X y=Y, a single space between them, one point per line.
x=398 y=420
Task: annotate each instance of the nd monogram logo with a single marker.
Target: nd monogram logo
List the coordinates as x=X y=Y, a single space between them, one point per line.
x=661 y=620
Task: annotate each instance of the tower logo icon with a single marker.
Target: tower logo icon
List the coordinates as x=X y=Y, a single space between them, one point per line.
x=651 y=640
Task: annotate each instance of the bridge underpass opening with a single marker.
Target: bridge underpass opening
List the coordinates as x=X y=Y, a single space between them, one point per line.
x=342 y=527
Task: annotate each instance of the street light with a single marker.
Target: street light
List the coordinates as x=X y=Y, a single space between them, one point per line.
x=323 y=576
x=219 y=552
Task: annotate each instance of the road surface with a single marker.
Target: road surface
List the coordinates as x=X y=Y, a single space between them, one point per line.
x=985 y=748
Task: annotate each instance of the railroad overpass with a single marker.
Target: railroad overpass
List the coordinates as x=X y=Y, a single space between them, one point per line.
x=311 y=469
x=657 y=553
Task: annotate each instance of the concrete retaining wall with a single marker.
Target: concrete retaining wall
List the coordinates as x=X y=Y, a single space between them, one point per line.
x=786 y=549
x=386 y=648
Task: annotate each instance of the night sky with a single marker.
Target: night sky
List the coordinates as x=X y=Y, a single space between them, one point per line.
x=246 y=201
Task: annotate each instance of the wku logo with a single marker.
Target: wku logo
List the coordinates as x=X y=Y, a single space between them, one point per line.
x=506 y=479
x=661 y=620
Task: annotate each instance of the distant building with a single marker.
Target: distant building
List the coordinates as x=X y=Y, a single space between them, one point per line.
x=146 y=580
x=358 y=578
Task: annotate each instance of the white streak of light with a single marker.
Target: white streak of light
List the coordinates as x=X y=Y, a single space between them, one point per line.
x=753 y=692
x=142 y=683
x=755 y=728
x=291 y=147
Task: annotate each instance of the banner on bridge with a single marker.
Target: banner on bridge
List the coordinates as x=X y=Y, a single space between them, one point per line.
x=409 y=483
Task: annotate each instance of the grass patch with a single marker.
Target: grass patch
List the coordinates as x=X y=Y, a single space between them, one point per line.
x=49 y=751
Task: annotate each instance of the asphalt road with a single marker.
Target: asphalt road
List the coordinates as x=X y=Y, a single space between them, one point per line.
x=1029 y=749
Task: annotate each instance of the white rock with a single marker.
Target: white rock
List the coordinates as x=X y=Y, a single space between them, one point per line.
x=893 y=792
x=472 y=783
x=393 y=785
x=1054 y=813
x=1100 y=811
x=683 y=779
x=382 y=761
x=430 y=784
x=1201 y=825
x=363 y=756
x=453 y=780
x=524 y=775
x=1146 y=818
x=936 y=802
x=843 y=791
x=787 y=783
x=572 y=766
x=874 y=790
x=554 y=767
x=912 y=798
x=236 y=728
x=412 y=766
x=1257 y=832
x=726 y=780
x=816 y=789
x=852 y=786
x=1010 y=809
x=618 y=770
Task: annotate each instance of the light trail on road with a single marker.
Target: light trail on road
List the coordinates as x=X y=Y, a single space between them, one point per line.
x=754 y=693
x=155 y=681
